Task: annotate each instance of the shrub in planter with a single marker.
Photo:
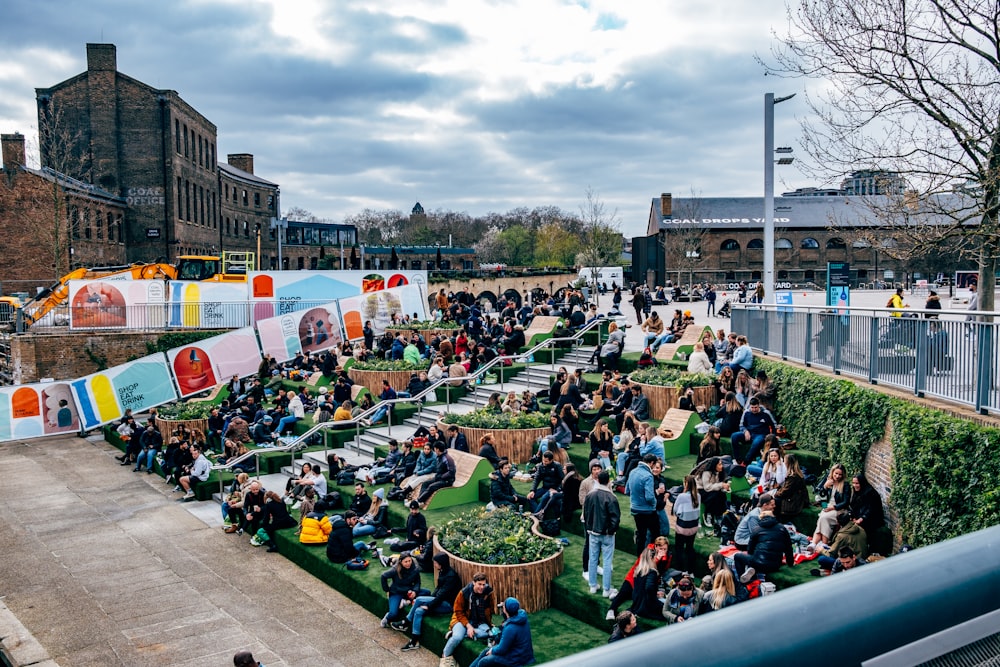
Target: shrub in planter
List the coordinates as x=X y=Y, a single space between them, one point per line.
x=501 y=537
x=483 y=418
x=424 y=325
x=388 y=365
x=671 y=377
x=186 y=411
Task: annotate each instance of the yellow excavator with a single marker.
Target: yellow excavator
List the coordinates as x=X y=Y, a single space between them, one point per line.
x=231 y=267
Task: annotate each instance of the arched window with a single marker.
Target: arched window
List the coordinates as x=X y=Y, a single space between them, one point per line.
x=755 y=244
x=861 y=244
x=730 y=244
x=836 y=244
x=783 y=244
x=809 y=244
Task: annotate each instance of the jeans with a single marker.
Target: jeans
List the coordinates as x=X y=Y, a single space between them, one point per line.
x=459 y=632
x=602 y=546
x=664 y=523
x=416 y=615
x=489 y=660
x=146 y=457
x=363 y=529
x=380 y=414
x=665 y=338
x=756 y=442
x=286 y=422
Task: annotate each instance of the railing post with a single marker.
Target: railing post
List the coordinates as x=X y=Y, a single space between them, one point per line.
x=984 y=350
x=807 y=356
x=920 y=363
x=873 y=358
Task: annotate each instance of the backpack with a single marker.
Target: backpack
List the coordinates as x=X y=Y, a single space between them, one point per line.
x=345 y=478
x=550 y=527
x=332 y=500
x=385 y=477
x=727 y=526
x=396 y=493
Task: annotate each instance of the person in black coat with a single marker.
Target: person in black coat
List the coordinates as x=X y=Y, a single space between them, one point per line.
x=401 y=582
x=866 y=506
x=488 y=451
x=646 y=587
x=438 y=604
x=416 y=530
x=502 y=493
x=275 y=518
x=340 y=546
x=768 y=545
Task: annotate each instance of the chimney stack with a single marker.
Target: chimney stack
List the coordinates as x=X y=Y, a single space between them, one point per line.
x=13 y=150
x=102 y=58
x=242 y=161
x=666 y=205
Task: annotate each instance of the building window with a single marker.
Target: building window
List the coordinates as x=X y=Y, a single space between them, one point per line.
x=187 y=201
x=313 y=263
x=211 y=165
x=836 y=244
x=755 y=244
x=99 y=225
x=783 y=244
x=730 y=275
x=177 y=135
x=111 y=227
x=180 y=199
x=228 y=232
x=270 y=202
x=809 y=244
x=119 y=229
x=730 y=244
x=86 y=224
x=185 y=140
x=755 y=275
x=246 y=229
x=302 y=263
x=201 y=191
x=256 y=199
x=810 y=275
x=246 y=200
x=211 y=212
x=415 y=265
x=234 y=194
x=862 y=274
x=782 y=275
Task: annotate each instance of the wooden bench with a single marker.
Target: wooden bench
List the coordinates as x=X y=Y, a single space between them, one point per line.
x=214 y=394
x=681 y=424
x=470 y=469
x=692 y=334
x=542 y=325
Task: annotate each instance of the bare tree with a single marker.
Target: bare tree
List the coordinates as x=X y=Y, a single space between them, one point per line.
x=683 y=243
x=912 y=87
x=602 y=240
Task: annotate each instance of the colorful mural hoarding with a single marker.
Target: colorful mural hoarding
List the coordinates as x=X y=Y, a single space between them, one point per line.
x=111 y=304
x=141 y=384
x=280 y=292
x=379 y=307
x=198 y=305
x=310 y=330
x=37 y=410
x=202 y=365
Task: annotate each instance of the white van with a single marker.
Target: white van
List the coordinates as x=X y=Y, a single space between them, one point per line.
x=606 y=275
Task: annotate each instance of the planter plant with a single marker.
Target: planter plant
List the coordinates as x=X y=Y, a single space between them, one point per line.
x=423 y=325
x=662 y=376
x=501 y=537
x=503 y=421
x=387 y=365
x=186 y=411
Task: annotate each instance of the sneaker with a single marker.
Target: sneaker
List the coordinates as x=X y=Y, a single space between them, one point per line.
x=586 y=576
x=296 y=504
x=385 y=621
x=272 y=549
x=610 y=616
x=400 y=626
x=289 y=500
x=593 y=589
x=178 y=488
x=411 y=645
x=611 y=593
x=748 y=576
x=816 y=572
x=230 y=529
x=600 y=570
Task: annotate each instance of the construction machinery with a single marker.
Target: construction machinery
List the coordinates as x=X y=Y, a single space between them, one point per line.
x=230 y=267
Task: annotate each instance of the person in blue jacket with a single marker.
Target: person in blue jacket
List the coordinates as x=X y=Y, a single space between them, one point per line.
x=514 y=648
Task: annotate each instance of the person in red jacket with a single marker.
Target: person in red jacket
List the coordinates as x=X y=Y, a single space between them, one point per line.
x=661 y=558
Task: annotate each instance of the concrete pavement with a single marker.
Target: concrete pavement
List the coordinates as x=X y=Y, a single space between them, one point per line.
x=102 y=567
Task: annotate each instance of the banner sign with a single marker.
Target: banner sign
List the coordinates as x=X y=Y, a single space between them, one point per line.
x=197 y=305
x=280 y=292
x=312 y=330
x=379 y=307
x=107 y=304
x=37 y=410
x=141 y=384
x=202 y=365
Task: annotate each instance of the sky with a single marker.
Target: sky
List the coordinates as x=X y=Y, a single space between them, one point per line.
x=462 y=105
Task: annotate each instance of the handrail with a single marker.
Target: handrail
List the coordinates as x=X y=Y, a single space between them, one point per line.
x=356 y=421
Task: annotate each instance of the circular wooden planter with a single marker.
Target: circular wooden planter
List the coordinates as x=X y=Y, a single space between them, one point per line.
x=530 y=583
x=166 y=426
x=372 y=380
x=663 y=398
x=518 y=444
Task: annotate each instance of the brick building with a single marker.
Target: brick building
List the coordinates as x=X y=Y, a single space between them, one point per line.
x=48 y=218
x=156 y=151
x=721 y=240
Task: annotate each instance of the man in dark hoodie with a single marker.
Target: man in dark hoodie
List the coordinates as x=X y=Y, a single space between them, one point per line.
x=448 y=586
x=768 y=545
x=471 y=616
x=514 y=648
x=340 y=546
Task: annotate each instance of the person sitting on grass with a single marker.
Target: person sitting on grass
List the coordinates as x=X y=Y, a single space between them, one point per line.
x=197 y=472
x=401 y=583
x=502 y=493
x=472 y=615
x=437 y=604
x=444 y=474
x=514 y=648
x=340 y=546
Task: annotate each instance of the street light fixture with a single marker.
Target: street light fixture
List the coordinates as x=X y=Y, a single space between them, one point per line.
x=769 y=152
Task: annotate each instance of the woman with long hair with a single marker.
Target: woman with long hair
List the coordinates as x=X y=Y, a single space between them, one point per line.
x=866 y=505
x=661 y=560
x=726 y=381
x=711 y=444
x=646 y=586
x=717 y=563
x=713 y=485
x=493 y=404
x=742 y=386
x=571 y=418
x=838 y=490
x=687 y=510
x=512 y=403
x=368 y=522
x=723 y=593
x=401 y=582
x=731 y=414
x=793 y=495
x=601 y=443
x=772 y=473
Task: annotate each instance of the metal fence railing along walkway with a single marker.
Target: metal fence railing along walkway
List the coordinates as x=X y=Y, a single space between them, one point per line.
x=937 y=353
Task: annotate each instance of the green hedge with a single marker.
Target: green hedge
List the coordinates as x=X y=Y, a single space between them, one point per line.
x=946 y=473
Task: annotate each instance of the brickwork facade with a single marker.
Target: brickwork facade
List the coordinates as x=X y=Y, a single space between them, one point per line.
x=878 y=470
x=47 y=220
x=67 y=356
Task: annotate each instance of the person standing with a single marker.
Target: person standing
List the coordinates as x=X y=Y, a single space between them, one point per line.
x=642 y=503
x=639 y=303
x=710 y=298
x=602 y=517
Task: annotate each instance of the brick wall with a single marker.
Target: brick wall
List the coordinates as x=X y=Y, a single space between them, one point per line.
x=878 y=470
x=67 y=356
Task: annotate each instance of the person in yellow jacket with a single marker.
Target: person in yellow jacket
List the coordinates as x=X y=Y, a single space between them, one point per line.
x=315 y=528
x=896 y=303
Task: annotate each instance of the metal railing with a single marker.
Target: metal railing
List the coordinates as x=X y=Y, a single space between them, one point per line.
x=362 y=418
x=936 y=353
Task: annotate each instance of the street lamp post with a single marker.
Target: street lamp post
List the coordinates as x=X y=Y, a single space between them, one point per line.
x=769 y=102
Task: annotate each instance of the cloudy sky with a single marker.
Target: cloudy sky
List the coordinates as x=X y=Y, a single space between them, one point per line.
x=464 y=105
